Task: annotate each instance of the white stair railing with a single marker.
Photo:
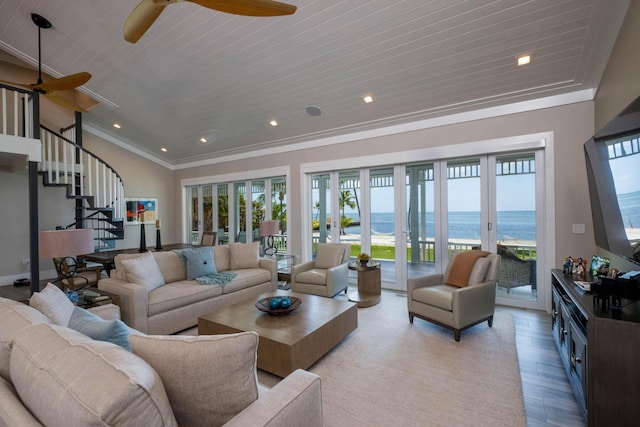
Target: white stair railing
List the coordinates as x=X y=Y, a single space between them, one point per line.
x=95 y=178
x=15 y=109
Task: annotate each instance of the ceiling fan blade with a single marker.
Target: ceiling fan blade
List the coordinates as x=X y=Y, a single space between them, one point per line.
x=14 y=84
x=248 y=7
x=64 y=103
x=142 y=17
x=63 y=83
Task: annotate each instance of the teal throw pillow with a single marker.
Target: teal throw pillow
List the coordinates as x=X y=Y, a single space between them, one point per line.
x=200 y=262
x=113 y=331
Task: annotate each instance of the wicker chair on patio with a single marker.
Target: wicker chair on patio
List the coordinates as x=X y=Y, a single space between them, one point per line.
x=515 y=272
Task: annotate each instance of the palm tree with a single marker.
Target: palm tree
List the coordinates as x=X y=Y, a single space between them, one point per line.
x=346 y=199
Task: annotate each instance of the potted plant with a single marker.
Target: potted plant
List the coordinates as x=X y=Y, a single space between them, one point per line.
x=363 y=258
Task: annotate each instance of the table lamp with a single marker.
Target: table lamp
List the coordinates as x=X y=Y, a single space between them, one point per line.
x=268 y=229
x=65 y=244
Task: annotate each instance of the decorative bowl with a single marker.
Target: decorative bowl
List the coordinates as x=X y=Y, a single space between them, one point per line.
x=263 y=305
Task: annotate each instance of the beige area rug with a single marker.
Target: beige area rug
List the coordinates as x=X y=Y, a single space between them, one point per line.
x=391 y=373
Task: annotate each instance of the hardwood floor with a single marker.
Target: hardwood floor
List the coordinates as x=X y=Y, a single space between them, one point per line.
x=548 y=398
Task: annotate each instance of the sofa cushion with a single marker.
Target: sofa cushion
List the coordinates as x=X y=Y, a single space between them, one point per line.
x=14 y=316
x=68 y=379
x=222 y=255
x=209 y=379
x=440 y=296
x=143 y=270
x=118 y=272
x=313 y=277
x=171 y=265
x=113 y=331
x=178 y=294
x=479 y=271
x=200 y=262
x=244 y=255
x=246 y=278
x=328 y=255
x=53 y=303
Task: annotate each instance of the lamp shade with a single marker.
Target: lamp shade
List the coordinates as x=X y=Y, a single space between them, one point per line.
x=64 y=243
x=269 y=228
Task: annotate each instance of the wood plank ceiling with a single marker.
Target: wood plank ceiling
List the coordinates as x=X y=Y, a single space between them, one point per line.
x=200 y=73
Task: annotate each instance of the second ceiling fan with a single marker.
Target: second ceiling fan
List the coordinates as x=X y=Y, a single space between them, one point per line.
x=145 y=14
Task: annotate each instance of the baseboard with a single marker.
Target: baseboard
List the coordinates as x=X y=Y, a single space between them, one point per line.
x=8 y=280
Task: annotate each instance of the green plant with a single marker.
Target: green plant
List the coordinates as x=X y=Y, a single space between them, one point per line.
x=363 y=256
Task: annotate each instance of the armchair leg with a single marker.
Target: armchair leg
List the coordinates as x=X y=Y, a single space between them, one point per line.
x=490 y=321
x=410 y=317
x=456 y=334
x=345 y=290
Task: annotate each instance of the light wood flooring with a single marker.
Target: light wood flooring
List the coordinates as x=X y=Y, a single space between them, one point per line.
x=548 y=398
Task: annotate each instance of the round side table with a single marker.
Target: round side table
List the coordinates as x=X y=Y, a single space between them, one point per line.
x=369 y=284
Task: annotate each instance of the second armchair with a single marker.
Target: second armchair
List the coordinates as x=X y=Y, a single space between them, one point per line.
x=327 y=275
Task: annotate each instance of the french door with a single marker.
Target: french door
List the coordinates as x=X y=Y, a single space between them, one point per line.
x=412 y=217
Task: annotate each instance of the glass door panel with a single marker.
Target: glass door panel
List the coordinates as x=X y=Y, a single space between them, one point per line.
x=279 y=211
x=320 y=208
x=257 y=209
x=207 y=208
x=382 y=222
x=223 y=214
x=240 y=214
x=420 y=220
x=349 y=206
x=516 y=226
x=464 y=205
x=194 y=228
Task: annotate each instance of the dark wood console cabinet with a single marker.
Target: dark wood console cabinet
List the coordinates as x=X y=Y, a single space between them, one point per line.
x=600 y=351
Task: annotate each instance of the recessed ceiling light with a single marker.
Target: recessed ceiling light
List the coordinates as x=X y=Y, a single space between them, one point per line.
x=203 y=140
x=273 y=123
x=524 y=60
x=164 y=150
x=368 y=99
x=116 y=125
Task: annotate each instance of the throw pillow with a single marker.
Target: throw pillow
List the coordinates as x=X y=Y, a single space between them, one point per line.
x=245 y=255
x=113 y=331
x=328 y=255
x=118 y=271
x=479 y=271
x=199 y=262
x=53 y=303
x=209 y=378
x=143 y=270
x=68 y=379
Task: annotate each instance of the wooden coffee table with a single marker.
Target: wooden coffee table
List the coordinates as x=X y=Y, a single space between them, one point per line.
x=289 y=342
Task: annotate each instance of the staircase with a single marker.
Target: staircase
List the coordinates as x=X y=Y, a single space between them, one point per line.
x=96 y=187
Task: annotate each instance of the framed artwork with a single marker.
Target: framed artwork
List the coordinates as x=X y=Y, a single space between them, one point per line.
x=141 y=210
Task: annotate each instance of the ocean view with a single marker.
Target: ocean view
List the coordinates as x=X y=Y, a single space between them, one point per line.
x=518 y=225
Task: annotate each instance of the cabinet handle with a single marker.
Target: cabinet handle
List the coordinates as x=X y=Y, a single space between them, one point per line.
x=575 y=360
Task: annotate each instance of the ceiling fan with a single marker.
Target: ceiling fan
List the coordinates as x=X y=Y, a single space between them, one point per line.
x=147 y=11
x=48 y=88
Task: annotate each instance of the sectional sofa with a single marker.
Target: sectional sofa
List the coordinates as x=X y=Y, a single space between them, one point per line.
x=52 y=374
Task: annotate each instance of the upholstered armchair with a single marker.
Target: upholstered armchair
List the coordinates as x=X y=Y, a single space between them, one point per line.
x=327 y=275
x=461 y=297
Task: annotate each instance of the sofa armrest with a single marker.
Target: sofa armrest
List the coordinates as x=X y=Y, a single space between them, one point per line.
x=106 y=312
x=337 y=278
x=271 y=265
x=294 y=401
x=473 y=302
x=133 y=301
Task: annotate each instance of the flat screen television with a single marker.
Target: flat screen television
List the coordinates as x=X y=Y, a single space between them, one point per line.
x=613 y=173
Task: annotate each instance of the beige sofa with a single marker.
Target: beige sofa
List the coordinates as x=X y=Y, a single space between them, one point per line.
x=157 y=298
x=56 y=376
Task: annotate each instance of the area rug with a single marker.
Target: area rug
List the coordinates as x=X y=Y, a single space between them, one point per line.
x=389 y=372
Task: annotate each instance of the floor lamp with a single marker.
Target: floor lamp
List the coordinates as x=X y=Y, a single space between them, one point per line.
x=267 y=230
x=65 y=244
